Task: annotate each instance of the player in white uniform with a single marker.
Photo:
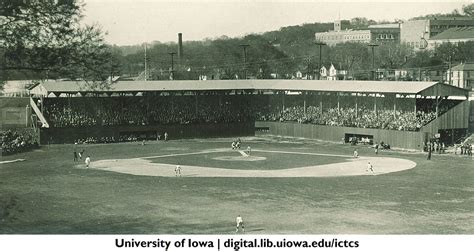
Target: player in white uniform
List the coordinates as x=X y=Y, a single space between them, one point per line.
x=356 y=154
x=249 y=150
x=88 y=161
x=177 y=170
x=240 y=224
x=370 y=168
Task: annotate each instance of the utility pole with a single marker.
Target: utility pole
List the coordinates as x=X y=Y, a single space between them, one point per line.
x=422 y=48
x=172 y=64
x=320 y=63
x=449 y=70
x=373 y=59
x=146 y=73
x=421 y=66
x=244 y=47
x=307 y=70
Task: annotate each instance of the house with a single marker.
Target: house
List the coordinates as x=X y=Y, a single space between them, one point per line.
x=461 y=75
x=328 y=73
x=304 y=73
x=299 y=75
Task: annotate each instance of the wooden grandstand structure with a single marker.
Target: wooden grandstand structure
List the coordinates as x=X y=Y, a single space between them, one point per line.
x=380 y=94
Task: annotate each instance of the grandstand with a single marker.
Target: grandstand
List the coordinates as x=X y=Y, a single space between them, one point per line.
x=402 y=114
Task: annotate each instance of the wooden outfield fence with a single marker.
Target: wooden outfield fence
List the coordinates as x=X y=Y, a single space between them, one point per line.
x=399 y=139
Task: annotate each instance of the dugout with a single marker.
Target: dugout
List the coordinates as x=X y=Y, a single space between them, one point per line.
x=358 y=138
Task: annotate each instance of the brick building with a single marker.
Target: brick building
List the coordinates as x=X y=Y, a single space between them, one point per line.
x=416 y=33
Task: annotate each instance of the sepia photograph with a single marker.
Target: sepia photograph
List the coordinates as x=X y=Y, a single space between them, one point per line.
x=255 y=117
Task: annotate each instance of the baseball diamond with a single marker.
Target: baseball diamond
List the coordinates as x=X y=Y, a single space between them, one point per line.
x=249 y=124
x=312 y=186
x=172 y=158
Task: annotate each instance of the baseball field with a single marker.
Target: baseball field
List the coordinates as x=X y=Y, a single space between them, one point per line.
x=280 y=186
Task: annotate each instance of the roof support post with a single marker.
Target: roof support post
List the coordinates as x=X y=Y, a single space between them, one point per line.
x=121 y=107
x=304 y=103
x=437 y=106
x=395 y=105
x=172 y=101
x=415 y=104
x=320 y=102
x=220 y=98
x=196 y=102
x=357 y=109
x=283 y=101
x=338 y=104
x=147 y=101
x=375 y=104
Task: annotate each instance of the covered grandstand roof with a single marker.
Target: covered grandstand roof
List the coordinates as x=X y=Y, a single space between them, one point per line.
x=214 y=85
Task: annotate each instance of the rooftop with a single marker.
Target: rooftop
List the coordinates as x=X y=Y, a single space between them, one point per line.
x=384 y=26
x=216 y=85
x=455 y=33
x=451 y=18
x=464 y=67
x=343 y=31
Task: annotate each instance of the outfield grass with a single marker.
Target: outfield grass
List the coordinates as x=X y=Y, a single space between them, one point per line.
x=47 y=194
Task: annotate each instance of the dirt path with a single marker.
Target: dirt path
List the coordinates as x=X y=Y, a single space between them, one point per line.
x=11 y=161
x=144 y=166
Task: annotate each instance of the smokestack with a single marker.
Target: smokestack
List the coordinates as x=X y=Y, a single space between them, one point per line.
x=180 y=46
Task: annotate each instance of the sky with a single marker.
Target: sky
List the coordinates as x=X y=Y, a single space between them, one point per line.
x=129 y=22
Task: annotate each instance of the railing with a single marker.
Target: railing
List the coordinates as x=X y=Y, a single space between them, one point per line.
x=34 y=126
x=39 y=114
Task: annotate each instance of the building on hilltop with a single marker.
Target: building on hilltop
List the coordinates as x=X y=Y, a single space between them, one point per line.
x=341 y=34
x=333 y=37
x=380 y=33
x=416 y=33
x=452 y=35
x=438 y=25
x=340 y=25
x=385 y=33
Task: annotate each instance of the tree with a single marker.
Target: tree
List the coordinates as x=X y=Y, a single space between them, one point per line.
x=391 y=56
x=44 y=37
x=361 y=22
x=468 y=10
x=353 y=57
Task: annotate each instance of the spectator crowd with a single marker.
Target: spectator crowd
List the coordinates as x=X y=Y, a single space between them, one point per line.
x=349 y=117
x=76 y=112
x=17 y=141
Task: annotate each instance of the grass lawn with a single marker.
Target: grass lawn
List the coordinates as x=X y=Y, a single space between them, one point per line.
x=47 y=194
